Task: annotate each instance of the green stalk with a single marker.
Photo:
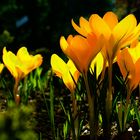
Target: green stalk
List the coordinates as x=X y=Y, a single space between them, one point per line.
x=52 y=110
x=15 y=92
x=126 y=107
x=120 y=116
x=75 y=117
x=25 y=92
x=107 y=130
x=92 y=123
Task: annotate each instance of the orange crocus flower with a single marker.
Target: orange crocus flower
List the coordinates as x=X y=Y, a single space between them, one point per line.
x=128 y=60
x=117 y=34
x=66 y=71
x=81 y=50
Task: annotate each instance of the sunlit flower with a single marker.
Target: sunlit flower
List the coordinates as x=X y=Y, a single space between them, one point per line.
x=21 y=64
x=81 y=50
x=117 y=34
x=66 y=71
x=97 y=62
x=129 y=63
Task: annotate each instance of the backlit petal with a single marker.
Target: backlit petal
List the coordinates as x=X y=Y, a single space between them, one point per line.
x=125 y=63
x=136 y=79
x=83 y=27
x=65 y=71
x=124 y=28
x=111 y=19
x=63 y=43
x=135 y=52
x=73 y=70
x=131 y=37
x=98 y=61
x=65 y=46
x=58 y=65
x=12 y=63
x=99 y=26
x=1 y=67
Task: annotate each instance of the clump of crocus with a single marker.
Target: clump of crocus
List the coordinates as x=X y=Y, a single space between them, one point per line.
x=115 y=35
x=20 y=65
x=128 y=61
x=82 y=50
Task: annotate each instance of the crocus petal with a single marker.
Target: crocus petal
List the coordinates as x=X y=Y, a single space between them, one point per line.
x=136 y=79
x=134 y=43
x=84 y=24
x=24 y=57
x=84 y=27
x=111 y=19
x=124 y=28
x=68 y=51
x=99 y=26
x=12 y=63
x=58 y=65
x=135 y=52
x=129 y=60
x=73 y=70
x=80 y=49
x=23 y=54
x=38 y=59
x=131 y=37
x=31 y=62
x=1 y=67
x=65 y=71
x=98 y=61
x=125 y=63
x=64 y=44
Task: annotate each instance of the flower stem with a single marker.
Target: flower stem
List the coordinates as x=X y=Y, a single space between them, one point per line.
x=126 y=107
x=75 y=117
x=15 y=92
x=92 y=123
x=107 y=131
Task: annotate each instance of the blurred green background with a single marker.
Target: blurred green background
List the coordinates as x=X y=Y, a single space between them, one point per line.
x=38 y=24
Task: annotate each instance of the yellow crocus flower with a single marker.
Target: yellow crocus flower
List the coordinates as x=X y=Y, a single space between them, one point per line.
x=66 y=71
x=81 y=50
x=128 y=60
x=117 y=34
x=21 y=64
